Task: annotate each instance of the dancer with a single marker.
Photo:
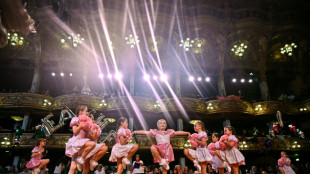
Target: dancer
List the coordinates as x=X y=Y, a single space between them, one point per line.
x=98 y=152
x=79 y=146
x=285 y=164
x=201 y=156
x=162 y=152
x=122 y=151
x=36 y=162
x=233 y=156
x=217 y=150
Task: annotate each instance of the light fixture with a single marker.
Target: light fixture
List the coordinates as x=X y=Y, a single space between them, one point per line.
x=210 y=106
x=207 y=79
x=238 y=49
x=288 y=48
x=258 y=108
x=17 y=118
x=186 y=44
x=199 y=79
x=15 y=39
x=193 y=121
x=132 y=41
x=191 y=78
x=101 y=76
x=303 y=109
x=74 y=39
x=62 y=74
x=109 y=76
x=155 y=77
x=157 y=105
x=103 y=103
x=46 y=102
x=234 y=80
x=146 y=77
x=250 y=80
x=118 y=76
x=53 y=74
x=242 y=80
x=111 y=120
x=163 y=77
x=71 y=74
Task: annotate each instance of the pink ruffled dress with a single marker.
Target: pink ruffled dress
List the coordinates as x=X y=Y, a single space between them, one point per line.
x=216 y=162
x=233 y=155
x=201 y=154
x=287 y=169
x=163 y=144
x=76 y=142
x=96 y=128
x=35 y=161
x=118 y=150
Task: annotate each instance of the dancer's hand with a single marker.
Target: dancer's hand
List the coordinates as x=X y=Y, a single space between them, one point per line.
x=189 y=136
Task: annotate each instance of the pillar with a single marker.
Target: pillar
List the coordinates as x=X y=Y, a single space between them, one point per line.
x=180 y=124
x=222 y=48
x=182 y=163
x=130 y=123
x=177 y=86
x=25 y=121
x=263 y=86
x=15 y=162
x=132 y=81
x=35 y=85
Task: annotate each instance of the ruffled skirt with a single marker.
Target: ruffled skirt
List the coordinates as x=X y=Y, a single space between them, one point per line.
x=95 y=150
x=165 y=151
x=217 y=163
x=288 y=169
x=202 y=154
x=119 y=151
x=74 y=144
x=234 y=156
x=33 y=163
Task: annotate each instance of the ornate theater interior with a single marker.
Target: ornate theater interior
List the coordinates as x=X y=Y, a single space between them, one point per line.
x=239 y=63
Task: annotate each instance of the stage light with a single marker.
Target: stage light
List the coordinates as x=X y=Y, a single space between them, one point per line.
x=146 y=77
x=118 y=76
x=234 y=80
x=101 y=76
x=109 y=76
x=191 y=78
x=163 y=77
x=53 y=74
x=199 y=79
x=155 y=77
x=242 y=80
x=70 y=74
x=250 y=80
x=62 y=74
x=207 y=79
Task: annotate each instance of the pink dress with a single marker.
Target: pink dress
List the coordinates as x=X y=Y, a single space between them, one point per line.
x=118 y=150
x=233 y=155
x=201 y=153
x=287 y=169
x=216 y=162
x=35 y=161
x=76 y=142
x=96 y=128
x=163 y=144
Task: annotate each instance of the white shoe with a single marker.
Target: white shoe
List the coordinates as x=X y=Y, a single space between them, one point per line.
x=227 y=166
x=36 y=170
x=125 y=162
x=197 y=165
x=163 y=162
x=92 y=164
x=79 y=163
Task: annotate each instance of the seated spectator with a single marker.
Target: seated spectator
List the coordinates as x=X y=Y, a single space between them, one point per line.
x=25 y=171
x=100 y=169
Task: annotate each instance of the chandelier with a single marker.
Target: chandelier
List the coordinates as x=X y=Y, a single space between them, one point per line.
x=15 y=39
x=132 y=41
x=239 y=49
x=75 y=39
x=186 y=44
x=288 y=48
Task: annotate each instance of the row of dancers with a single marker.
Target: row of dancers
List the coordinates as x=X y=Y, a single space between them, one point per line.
x=85 y=152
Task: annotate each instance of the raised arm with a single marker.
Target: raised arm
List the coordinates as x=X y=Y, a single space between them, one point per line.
x=142 y=132
x=182 y=133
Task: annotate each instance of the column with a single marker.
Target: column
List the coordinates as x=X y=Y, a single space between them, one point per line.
x=130 y=123
x=35 y=85
x=25 y=121
x=132 y=81
x=222 y=47
x=15 y=161
x=177 y=86
x=180 y=124
x=263 y=86
x=182 y=163
x=226 y=123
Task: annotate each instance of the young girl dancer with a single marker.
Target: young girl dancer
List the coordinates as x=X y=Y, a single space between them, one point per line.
x=233 y=156
x=216 y=149
x=100 y=149
x=162 y=152
x=36 y=163
x=201 y=156
x=79 y=143
x=122 y=151
x=285 y=164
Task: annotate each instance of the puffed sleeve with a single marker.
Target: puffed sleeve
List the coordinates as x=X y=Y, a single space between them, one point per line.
x=170 y=132
x=233 y=138
x=202 y=135
x=153 y=132
x=74 y=122
x=36 y=149
x=121 y=132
